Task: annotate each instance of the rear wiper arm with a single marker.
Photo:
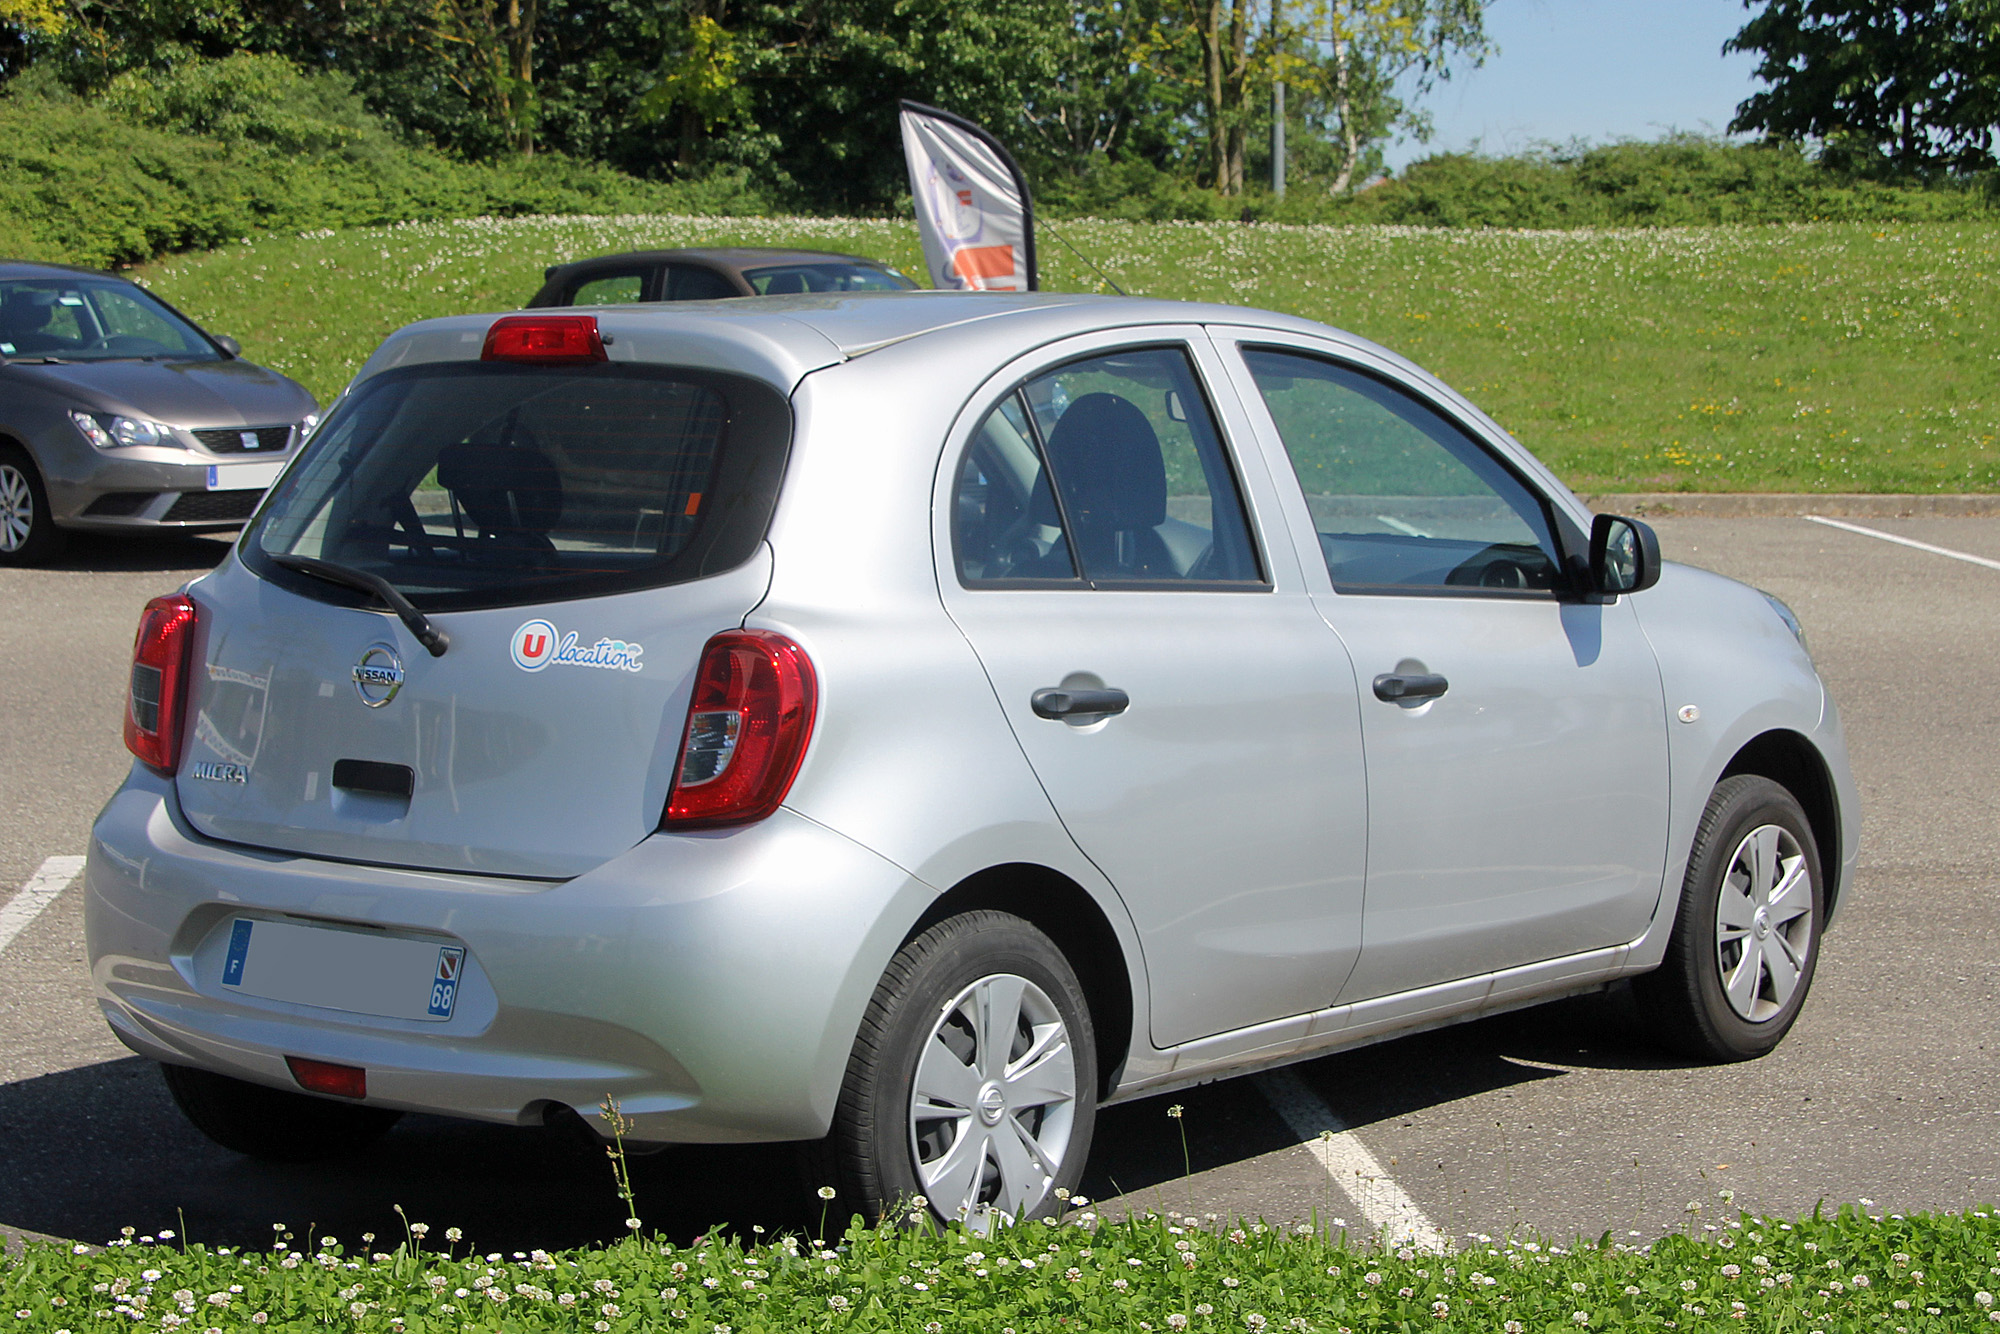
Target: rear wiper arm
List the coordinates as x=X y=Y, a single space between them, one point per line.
x=427 y=634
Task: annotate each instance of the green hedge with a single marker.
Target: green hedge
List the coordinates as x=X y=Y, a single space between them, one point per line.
x=228 y=148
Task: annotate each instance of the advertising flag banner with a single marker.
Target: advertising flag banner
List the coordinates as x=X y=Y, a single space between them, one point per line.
x=973 y=209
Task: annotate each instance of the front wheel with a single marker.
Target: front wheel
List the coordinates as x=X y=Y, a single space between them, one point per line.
x=28 y=535
x=1746 y=941
x=973 y=1081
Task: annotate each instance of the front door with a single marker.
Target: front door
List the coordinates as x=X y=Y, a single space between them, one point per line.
x=1515 y=731
x=1189 y=714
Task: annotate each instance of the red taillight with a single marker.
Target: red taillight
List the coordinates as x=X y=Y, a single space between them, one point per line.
x=337 y=1081
x=747 y=728
x=543 y=339
x=159 y=681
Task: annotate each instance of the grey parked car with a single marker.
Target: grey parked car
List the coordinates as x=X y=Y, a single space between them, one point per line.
x=911 y=723
x=119 y=414
x=711 y=273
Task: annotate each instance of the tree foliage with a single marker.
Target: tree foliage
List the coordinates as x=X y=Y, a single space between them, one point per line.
x=1893 y=87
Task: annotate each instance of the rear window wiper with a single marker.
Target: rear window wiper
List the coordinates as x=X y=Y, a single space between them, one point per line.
x=427 y=634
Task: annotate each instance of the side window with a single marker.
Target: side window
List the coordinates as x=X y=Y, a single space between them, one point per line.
x=1401 y=497
x=686 y=283
x=1142 y=489
x=609 y=289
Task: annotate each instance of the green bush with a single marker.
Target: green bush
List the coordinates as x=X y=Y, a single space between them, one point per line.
x=219 y=150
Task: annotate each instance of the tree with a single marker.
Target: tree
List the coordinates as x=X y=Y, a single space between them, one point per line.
x=1888 y=87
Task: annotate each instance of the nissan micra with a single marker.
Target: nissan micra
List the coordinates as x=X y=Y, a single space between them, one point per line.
x=910 y=723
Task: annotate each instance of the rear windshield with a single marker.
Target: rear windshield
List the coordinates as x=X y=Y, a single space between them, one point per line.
x=496 y=485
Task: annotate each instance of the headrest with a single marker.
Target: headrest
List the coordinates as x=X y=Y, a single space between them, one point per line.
x=507 y=489
x=26 y=311
x=1108 y=458
x=785 y=284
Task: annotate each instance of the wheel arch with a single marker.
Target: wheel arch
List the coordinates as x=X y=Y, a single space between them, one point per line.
x=1067 y=914
x=1795 y=764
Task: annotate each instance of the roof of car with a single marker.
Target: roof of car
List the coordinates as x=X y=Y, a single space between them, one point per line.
x=783 y=338
x=34 y=268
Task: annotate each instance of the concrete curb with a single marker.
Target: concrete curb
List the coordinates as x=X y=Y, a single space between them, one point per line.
x=13 y=1238
x=1739 y=505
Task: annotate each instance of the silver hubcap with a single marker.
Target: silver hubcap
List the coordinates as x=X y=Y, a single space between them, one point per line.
x=994 y=1101
x=17 y=508
x=1763 y=923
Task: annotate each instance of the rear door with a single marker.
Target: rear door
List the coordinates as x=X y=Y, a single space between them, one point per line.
x=578 y=533
x=1220 y=789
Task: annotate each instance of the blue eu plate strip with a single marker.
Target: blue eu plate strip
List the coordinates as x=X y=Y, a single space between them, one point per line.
x=239 y=950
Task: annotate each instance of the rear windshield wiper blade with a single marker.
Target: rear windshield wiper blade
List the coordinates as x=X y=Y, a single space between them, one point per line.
x=427 y=634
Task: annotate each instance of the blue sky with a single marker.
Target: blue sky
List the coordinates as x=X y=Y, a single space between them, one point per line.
x=1591 y=69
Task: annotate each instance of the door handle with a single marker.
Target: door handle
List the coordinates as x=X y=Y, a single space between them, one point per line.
x=1396 y=688
x=1058 y=702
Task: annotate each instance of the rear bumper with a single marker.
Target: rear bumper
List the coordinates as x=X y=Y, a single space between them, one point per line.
x=711 y=983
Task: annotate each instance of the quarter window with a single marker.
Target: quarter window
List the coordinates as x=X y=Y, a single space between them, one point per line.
x=1109 y=471
x=1402 y=498
x=610 y=289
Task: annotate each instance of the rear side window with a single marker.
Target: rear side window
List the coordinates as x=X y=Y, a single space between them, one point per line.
x=609 y=289
x=1142 y=491
x=488 y=486
x=687 y=283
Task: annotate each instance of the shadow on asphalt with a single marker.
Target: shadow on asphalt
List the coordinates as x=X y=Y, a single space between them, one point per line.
x=88 y=1151
x=87 y=552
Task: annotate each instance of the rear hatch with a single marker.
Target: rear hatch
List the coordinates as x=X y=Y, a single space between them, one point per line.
x=577 y=532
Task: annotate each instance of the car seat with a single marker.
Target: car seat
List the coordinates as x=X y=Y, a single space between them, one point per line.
x=23 y=315
x=785 y=284
x=1114 y=489
x=508 y=486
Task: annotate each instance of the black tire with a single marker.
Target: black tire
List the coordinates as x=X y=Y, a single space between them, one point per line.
x=28 y=536
x=877 y=1160
x=1687 y=1001
x=273 y=1124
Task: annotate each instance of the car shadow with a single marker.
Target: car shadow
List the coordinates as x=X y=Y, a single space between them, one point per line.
x=88 y=1151
x=140 y=554
x=1139 y=1146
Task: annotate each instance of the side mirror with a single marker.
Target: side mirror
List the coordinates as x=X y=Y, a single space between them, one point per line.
x=227 y=344
x=1624 y=555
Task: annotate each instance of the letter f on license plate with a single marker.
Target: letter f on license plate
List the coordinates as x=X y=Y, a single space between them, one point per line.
x=444 y=988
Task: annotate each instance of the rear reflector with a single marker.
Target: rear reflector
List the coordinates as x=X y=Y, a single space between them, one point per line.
x=544 y=339
x=159 y=681
x=336 y=1081
x=747 y=728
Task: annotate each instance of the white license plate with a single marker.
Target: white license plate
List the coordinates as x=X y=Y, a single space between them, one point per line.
x=243 y=476
x=356 y=971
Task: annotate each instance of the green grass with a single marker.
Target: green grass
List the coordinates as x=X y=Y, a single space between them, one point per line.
x=1814 y=357
x=1849 y=1272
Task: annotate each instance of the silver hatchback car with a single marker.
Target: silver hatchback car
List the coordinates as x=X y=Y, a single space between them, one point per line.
x=912 y=722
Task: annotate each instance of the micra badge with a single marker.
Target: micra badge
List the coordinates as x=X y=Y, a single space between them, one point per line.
x=220 y=773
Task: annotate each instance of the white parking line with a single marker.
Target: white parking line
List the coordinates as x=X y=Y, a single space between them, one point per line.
x=1905 y=542
x=40 y=891
x=1396 y=1218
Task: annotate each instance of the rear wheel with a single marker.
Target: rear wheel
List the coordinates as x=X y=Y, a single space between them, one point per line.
x=27 y=534
x=1747 y=939
x=271 y=1123
x=973 y=1081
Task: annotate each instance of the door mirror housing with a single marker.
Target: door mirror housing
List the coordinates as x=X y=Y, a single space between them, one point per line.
x=227 y=344
x=1624 y=555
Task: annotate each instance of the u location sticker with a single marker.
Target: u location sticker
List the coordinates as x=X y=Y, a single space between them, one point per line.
x=538 y=643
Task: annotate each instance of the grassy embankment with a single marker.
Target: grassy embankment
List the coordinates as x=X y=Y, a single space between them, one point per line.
x=1839 y=1275
x=1818 y=357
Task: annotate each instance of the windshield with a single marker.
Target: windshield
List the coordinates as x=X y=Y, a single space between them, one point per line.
x=832 y=276
x=92 y=319
x=488 y=485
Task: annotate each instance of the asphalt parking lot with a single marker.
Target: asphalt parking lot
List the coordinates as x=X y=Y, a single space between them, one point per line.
x=1556 y=1120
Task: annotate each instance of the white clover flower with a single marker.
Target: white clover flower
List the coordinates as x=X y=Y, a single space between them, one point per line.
x=420 y=1230
x=1177 y=1321
x=1731 y=1271
x=1578 y=1287
x=1440 y=1309
x=454 y=1234
x=1580 y=1317
x=1983 y=1298
x=1232 y=1282
x=837 y=1302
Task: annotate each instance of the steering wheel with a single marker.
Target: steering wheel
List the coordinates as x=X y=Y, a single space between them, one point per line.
x=1503 y=574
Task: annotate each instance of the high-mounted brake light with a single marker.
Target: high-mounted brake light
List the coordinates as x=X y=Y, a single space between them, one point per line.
x=159 y=681
x=747 y=728
x=544 y=339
